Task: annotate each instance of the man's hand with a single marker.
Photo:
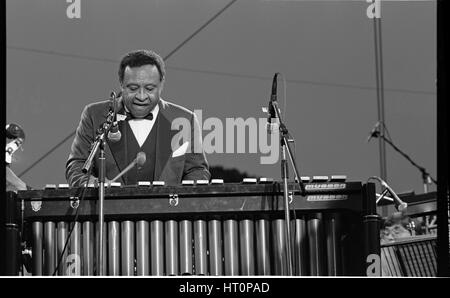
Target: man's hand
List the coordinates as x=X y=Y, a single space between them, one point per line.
x=94 y=180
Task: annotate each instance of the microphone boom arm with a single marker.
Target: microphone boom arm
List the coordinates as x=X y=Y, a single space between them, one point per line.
x=286 y=146
x=425 y=175
x=99 y=143
x=99 y=139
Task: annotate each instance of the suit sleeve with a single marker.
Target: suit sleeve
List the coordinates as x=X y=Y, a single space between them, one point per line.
x=80 y=149
x=196 y=166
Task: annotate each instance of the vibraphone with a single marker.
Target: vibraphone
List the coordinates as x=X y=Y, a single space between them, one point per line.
x=412 y=256
x=223 y=229
x=415 y=255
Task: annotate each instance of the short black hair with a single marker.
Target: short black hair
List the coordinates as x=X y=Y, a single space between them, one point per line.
x=139 y=58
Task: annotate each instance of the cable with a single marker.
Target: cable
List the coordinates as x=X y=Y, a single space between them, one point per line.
x=422 y=169
x=54 y=53
x=229 y=74
x=47 y=154
x=83 y=193
x=303 y=82
x=386 y=129
x=389 y=140
x=199 y=29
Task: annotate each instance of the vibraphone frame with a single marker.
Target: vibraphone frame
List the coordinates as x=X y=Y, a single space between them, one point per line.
x=346 y=205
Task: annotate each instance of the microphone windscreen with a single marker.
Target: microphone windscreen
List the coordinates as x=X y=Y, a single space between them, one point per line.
x=114 y=135
x=274 y=84
x=140 y=159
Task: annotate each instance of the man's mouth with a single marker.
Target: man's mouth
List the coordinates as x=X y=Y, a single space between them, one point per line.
x=140 y=104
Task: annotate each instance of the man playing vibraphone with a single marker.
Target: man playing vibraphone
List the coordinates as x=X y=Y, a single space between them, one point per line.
x=146 y=127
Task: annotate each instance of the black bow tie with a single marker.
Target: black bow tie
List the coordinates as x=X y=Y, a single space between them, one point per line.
x=130 y=116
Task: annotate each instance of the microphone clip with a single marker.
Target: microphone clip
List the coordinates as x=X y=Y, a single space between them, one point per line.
x=375 y=133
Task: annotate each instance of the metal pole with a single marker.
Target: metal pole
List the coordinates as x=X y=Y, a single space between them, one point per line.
x=101 y=196
x=285 y=146
x=12 y=236
x=380 y=101
x=284 y=142
x=371 y=225
x=285 y=176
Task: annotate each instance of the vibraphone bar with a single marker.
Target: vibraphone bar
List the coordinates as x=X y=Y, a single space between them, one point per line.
x=229 y=229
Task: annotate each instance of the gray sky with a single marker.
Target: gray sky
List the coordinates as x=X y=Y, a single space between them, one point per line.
x=324 y=49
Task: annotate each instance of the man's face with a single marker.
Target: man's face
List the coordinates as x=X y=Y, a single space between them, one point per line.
x=141 y=88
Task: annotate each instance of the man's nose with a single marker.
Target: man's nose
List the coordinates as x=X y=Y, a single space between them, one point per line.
x=141 y=94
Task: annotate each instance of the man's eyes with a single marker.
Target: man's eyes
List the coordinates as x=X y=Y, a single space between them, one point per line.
x=135 y=88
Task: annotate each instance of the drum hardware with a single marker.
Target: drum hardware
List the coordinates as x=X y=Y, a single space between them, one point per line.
x=74 y=202
x=173 y=200
x=36 y=205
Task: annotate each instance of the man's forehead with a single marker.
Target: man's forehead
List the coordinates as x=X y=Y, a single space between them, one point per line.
x=143 y=72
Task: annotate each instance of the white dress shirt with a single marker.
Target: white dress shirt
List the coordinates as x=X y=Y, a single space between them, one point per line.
x=142 y=127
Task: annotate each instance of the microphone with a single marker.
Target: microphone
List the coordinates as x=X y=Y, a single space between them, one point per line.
x=374 y=132
x=273 y=96
x=114 y=134
x=139 y=161
x=272 y=115
x=399 y=204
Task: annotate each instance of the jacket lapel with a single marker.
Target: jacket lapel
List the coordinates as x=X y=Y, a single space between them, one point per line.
x=163 y=147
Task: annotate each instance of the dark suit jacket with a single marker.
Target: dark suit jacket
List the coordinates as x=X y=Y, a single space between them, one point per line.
x=190 y=166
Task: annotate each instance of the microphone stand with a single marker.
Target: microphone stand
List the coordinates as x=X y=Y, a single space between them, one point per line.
x=286 y=147
x=426 y=178
x=99 y=143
